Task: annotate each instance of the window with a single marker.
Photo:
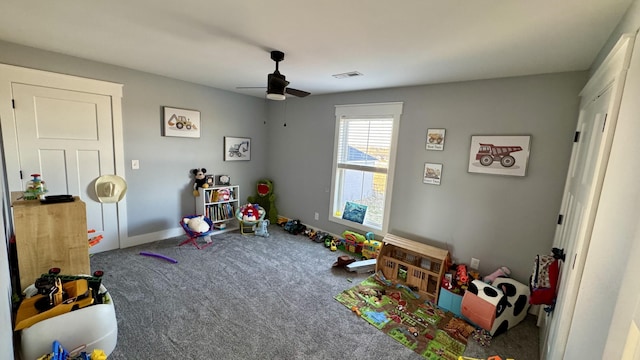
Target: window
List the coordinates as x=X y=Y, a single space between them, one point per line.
x=363 y=162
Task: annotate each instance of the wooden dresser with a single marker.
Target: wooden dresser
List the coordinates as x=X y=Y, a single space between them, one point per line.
x=50 y=235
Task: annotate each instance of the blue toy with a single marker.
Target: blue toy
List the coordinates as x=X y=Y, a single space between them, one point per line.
x=261 y=229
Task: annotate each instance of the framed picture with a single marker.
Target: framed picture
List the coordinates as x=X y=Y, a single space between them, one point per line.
x=209 y=180
x=435 y=139
x=432 y=173
x=181 y=122
x=223 y=180
x=499 y=155
x=237 y=148
x=354 y=212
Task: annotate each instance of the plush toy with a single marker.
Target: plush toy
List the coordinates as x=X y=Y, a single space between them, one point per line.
x=501 y=272
x=261 y=230
x=266 y=199
x=200 y=180
x=223 y=195
x=197 y=224
x=249 y=213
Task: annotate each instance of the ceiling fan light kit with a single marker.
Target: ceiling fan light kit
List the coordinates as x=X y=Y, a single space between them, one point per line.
x=274 y=96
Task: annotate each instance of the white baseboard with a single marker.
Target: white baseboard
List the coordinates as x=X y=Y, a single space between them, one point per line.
x=178 y=231
x=151 y=237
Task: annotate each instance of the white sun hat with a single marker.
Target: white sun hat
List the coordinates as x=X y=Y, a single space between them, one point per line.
x=110 y=188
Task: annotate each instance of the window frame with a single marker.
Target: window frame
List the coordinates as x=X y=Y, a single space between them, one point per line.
x=362 y=111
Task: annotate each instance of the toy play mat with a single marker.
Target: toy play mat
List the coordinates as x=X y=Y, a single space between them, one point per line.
x=416 y=323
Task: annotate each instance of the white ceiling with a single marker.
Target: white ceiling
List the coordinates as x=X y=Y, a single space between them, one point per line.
x=226 y=43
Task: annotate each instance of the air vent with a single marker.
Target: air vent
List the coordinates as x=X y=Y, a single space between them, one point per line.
x=347 y=75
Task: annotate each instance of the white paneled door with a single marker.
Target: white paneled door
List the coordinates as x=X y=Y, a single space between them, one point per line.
x=594 y=135
x=579 y=210
x=67 y=137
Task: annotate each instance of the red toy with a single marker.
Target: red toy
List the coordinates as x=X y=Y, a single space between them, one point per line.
x=462 y=275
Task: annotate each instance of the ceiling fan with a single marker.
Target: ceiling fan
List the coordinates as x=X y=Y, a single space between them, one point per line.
x=277 y=85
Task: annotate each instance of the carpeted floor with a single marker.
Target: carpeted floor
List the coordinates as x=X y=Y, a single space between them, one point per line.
x=247 y=297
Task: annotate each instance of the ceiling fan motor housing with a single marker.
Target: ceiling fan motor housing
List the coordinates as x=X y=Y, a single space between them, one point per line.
x=277 y=83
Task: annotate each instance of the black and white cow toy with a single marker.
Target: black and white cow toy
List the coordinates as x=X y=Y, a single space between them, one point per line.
x=509 y=297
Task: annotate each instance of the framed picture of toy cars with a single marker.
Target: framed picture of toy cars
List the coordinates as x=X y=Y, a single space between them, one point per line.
x=435 y=139
x=181 y=122
x=237 y=148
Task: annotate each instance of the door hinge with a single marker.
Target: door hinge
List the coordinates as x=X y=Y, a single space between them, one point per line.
x=13 y=103
x=576 y=137
x=605 y=122
x=20 y=174
x=560 y=218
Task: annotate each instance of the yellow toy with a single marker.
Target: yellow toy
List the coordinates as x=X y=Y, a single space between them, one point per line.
x=371 y=249
x=60 y=299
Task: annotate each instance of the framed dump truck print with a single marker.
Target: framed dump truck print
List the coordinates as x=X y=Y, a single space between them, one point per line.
x=499 y=155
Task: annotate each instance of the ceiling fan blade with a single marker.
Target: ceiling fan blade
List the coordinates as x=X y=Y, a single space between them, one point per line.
x=296 y=92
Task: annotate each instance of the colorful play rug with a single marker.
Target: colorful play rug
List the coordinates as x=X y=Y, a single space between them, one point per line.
x=398 y=312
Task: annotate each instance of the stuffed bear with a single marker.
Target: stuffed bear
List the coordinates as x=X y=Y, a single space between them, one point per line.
x=200 y=180
x=266 y=199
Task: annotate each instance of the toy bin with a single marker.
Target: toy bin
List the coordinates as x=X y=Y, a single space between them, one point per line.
x=92 y=327
x=450 y=301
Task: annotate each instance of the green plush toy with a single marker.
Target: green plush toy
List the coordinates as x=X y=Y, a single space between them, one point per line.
x=266 y=199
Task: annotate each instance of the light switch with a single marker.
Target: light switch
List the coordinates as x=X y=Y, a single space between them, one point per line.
x=135 y=164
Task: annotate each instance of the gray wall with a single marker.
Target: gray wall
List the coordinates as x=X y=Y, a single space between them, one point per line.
x=501 y=220
x=159 y=194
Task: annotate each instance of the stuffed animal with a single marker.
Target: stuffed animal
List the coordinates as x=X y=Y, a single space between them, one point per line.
x=261 y=230
x=266 y=199
x=249 y=213
x=501 y=272
x=197 y=224
x=200 y=180
x=223 y=195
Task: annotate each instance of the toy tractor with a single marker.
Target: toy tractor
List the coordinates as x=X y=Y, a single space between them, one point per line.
x=238 y=149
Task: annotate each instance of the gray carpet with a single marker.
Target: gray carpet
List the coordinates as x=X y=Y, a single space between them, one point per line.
x=248 y=297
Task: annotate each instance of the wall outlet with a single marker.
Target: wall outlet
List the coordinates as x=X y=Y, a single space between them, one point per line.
x=135 y=164
x=316 y=216
x=475 y=263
